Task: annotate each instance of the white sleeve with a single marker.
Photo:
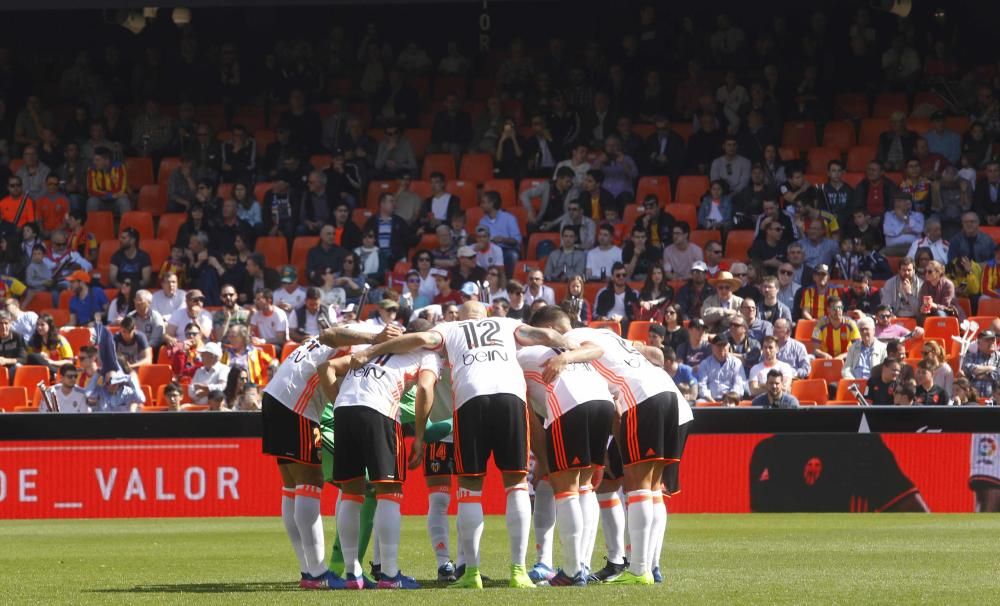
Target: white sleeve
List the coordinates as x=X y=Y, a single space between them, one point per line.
x=430 y=361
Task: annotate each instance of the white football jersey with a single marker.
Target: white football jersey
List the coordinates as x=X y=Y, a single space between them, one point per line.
x=381 y=382
x=483 y=357
x=296 y=384
x=75 y=402
x=578 y=383
x=985 y=461
x=630 y=376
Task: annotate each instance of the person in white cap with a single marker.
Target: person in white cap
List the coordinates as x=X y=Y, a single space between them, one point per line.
x=212 y=374
x=469 y=291
x=467 y=270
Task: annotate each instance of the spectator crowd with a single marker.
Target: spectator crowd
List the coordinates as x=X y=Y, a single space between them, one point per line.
x=213 y=217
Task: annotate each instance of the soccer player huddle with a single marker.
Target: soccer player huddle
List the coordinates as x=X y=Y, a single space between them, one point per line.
x=606 y=429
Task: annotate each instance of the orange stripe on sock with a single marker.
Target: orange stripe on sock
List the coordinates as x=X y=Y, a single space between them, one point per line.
x=439 y=489
x=566 y=495
x=609 y=504
x=470 y=499
x=639 y=498
x=393 y=496
x=357 y=498
x=288 y=492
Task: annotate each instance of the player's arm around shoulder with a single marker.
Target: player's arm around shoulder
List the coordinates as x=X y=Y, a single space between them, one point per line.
x=586 y=352
x=533 y=335
x=345 y=336
x=426 y=380
x=430 y=339
x=329 y=372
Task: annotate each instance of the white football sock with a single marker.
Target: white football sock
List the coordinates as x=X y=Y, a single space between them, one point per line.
x=288 y=518
x=570 y=528
x=437 y=522
x=349 y=530
x=310 y=525
x=544 y=518
x=518 y=521
x=470 y=524
x=591 y=514
x=658 y=530
x=640 y=522
x=387 y=527
x=613 y=523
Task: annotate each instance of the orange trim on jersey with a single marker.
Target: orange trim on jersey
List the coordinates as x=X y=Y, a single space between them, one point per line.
x=897 y=499
x=306 y=394
x=558 y=446
x=638 y=498
x=400 y=454
x=471 y=499
x=357 y=498
x=288 y=492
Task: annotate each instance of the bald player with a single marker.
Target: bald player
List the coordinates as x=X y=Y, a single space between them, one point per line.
x=491 y=418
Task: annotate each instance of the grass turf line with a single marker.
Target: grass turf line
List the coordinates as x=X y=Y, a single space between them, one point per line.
x=715 y=559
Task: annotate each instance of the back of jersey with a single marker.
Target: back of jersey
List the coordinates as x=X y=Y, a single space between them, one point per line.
x=483 y=357
x=380 y=383
x=578 y=383
x=296 y=384
x=631 y=377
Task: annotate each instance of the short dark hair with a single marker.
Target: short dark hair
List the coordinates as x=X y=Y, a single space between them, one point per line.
x=128 y=323
x=547 y=315
x=775 y=373
x=596 y=175
x=103 y=152
x=314 y=293
x=494 y=198
x=437 y=175
x=171 y=388
x=565 y=171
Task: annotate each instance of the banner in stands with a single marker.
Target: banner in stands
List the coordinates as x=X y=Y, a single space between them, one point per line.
x=719 y=474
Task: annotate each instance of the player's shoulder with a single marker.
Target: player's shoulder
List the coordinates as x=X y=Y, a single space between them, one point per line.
x=533 y=354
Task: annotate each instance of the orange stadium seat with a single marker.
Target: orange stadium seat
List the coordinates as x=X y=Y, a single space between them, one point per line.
x=28 y=377
x=155 y=375
x=140 y=173
x=684 y=213
x=168 y=165
x=887 y=104
x=504 y=187
x=738 y=243
x=638 y=330
x=78 y=336
x=274 y=249
x=149 y=200
x=169 y=226
x=839 y=135
x=701 y=237
x=941 y=327
x=852 y=106
x=477 y=167
x=858 y=158
x=810 y=390
x=442 y=163
x=871 y=128
x=799 y=135
x=41 y=300
x=300 y=250
x=690 y=189
x=13 y=397
x=465 y=191
x=818 y=157
x=141 y=221
x=613 y=325
x=658 y=186
x=536 y=239
x=59 y=316
x=828 y=370
x=101 y=223
x=158 y=251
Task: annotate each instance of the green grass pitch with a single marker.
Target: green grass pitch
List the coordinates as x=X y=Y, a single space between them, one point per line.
x=712 y=559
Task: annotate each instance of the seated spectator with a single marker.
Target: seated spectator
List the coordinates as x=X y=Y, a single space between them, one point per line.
x=720 y=372
x=818 y=247
x=575 y=305
x=681 y=254
x=696 y=348
x=350 y=278
x=846 y=261
x=290 y=296
x=656 y=295
x=503 y=226
x=963 y=394
x=268 y=323
x=17 y=208
x=52 y=206
x=210 y=376
x=770 y=247
x=602 y=257
x=722 y=306
x=47 y=347
x=971 y=242
x=790 y=350
x=516 y=308
x=731 y=167
x=311 y=318
x=107 y=184
x=467 y=270
x=452 y=128
x=834 y=332
x=664 y=150
x=442 y=282
x=183 y=353
x=658 y=223
x=327 y=254
x=487 y=254
x=882 y=385
x=536 y=289
x=193 y=311
x=864 y=353
x=769 y=361
x=439 y=206
x=541 y=150
x=32 y=172
x=169 y=298
x=593 y=198
x=811 y=301
x=771 y=307
x=240 y=353
x=742 y=345
x=967 y=275
x=886 y=327
x=937 y=294
x=394 y=236
x=132 y=344
x=986 y=201
x=902 y=226
x=123 y=304
x=130 y=261
x=716 y=209
x=585 y=227
x=620 y=170
x=915 y=185
x=86 y=302
x=775 y=395
x=182 y=186
x=905 y=394
x=119 y=392
x=927 y=393
x=12 y=347
x=942 y=140
x=239 y=156
x=704 y=145
x=555 y=196
x=982 y=367
x=860 y=299
x=394 y=154
x=682 y=374
x=933 y=240
x=66 y=396
x=147 y=320
x=236 y=383
x=566 y=261
x=616 y=301
x=172 y=395
x=639 y=255
x=951 y=195
x=230 y=315
x=896 y=144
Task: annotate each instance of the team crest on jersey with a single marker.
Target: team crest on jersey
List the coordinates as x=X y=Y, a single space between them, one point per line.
x=435 y=466
x=814 y=467
x=986 y=449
